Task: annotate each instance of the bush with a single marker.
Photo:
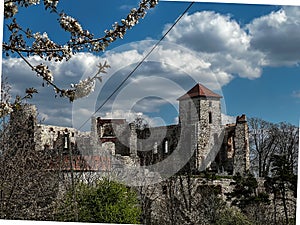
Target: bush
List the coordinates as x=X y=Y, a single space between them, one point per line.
x=104 y=202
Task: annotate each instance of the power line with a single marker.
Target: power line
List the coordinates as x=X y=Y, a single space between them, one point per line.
x=139 y=64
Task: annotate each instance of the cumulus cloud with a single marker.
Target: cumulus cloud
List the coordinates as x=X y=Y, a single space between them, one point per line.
x=209 y=32
x=205 y=47
x=277 y=35
x=52 y=110
x=163 y=87
x=242 y=50
x=221 y=42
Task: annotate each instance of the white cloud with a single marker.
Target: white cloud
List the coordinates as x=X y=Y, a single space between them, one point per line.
x=209 y=32
x=56 y=111
x=277 y=35
x=296 y=94
x=126 y=7
x=161 y=78
x=219 y=41
x=204 y=47
x=225 y=45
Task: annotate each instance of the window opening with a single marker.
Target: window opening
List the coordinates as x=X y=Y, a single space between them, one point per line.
x=210 y=117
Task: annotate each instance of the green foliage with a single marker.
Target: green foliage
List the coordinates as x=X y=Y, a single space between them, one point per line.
x=282 y=171
x=282 y=176
x=282 y=181
x=105 y=202
x=245 y=192
x=230 y=216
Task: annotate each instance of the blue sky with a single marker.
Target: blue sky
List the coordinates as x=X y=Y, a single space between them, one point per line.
x=248 y=53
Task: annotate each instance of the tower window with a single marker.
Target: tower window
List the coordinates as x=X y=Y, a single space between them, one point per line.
x=189 y=113
x=210 y=103
x=210 y=117
x=66 y=137
x=155 y=148
x=65 y=142
x=166 y=147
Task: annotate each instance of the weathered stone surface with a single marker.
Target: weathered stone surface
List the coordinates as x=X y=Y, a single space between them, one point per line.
x=241 y=143
x=199 y=139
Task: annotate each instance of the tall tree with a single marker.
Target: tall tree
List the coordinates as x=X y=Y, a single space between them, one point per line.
x=247 y=196
x=288 y=144
x=267 y=139
x=263 y=144
x=188 y=200
x=283 y=185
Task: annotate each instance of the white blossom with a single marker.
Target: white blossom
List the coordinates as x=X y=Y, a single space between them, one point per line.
x=51 y=2
x=44 y=71
x=84 y=88
x=5 y=109
x=70 y=24
x=37 y=44
x=34 y=2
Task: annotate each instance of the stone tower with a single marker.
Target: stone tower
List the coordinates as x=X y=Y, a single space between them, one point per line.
x=200 y=113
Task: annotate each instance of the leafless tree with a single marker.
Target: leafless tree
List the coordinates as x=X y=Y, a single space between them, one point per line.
x=288 y=144
x=187 y=200
x=263 y=142
x=274 y=149
x=27 y=187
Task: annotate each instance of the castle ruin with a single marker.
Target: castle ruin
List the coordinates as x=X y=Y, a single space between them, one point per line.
x=199 y=137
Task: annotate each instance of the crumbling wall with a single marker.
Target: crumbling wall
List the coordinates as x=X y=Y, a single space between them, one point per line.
x=51 y=137
x=158 y=143
x=241 y=146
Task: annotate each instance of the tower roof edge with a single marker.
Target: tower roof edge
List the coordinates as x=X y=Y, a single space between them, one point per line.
x=199 y=90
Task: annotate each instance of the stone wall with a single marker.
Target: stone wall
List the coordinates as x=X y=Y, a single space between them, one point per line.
x=241 y=146
x=54 y=137
x=157 y=143
x=199 y=135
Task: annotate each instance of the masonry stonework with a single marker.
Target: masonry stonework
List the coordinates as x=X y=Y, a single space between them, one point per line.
x=199 y=134
x=242 y=150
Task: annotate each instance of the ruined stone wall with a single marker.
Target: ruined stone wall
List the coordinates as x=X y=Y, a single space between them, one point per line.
x=199 y=135
x=241 y=146
x=119 y=133
x=158 y=143
x=48 y=136
x=132 y=140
